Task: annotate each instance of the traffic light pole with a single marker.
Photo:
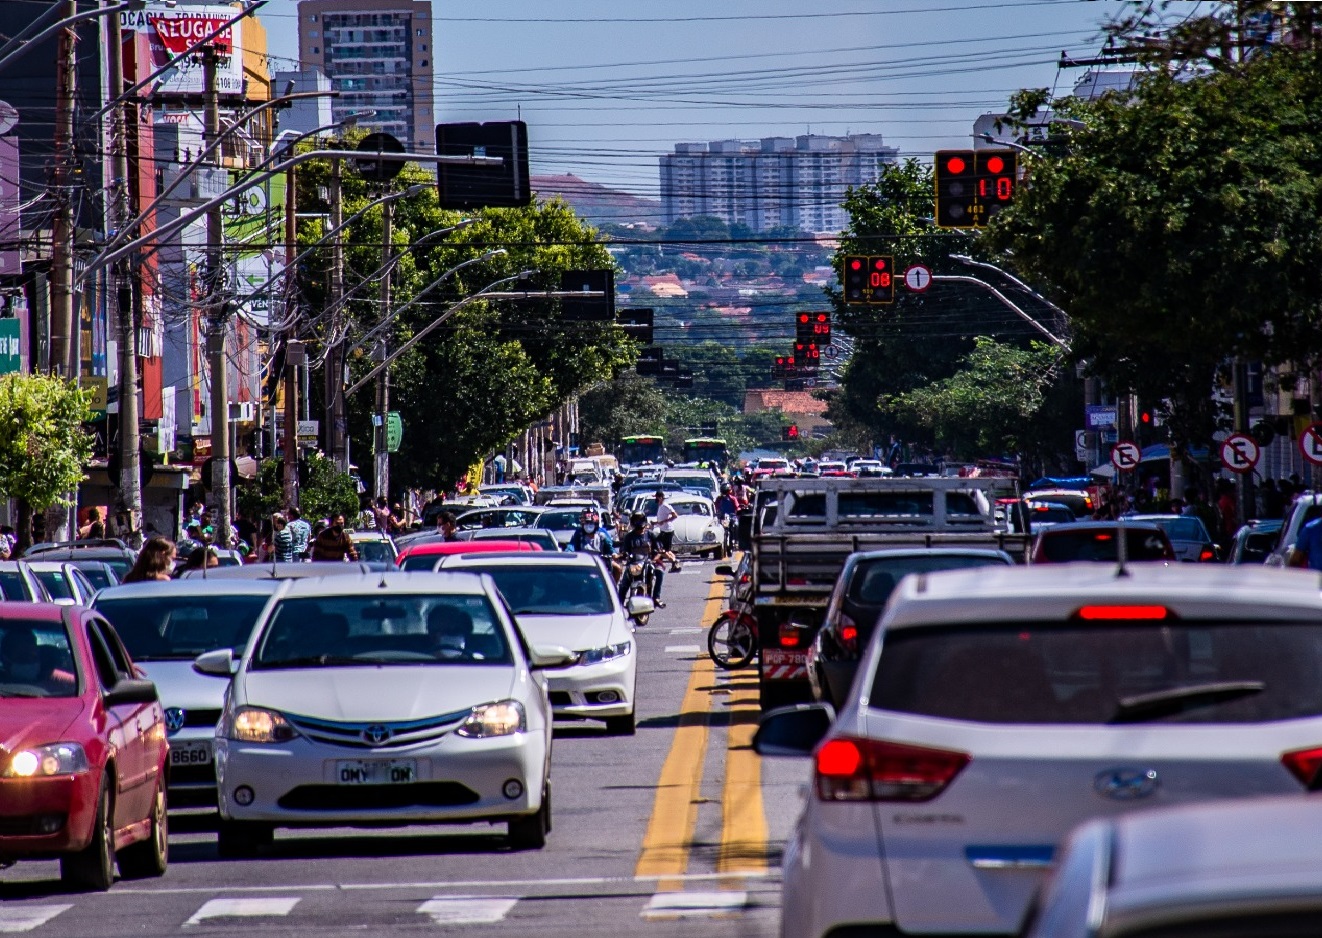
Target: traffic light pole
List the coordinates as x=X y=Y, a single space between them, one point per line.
x=381 y=436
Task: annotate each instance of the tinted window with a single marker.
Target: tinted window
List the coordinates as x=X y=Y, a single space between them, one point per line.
x=56 y=583
x=551 y=591
x=1024 y=673
x=559 y=520
x=423 y=562
x=14 y=586
x=375 y=552
x=1061 y=545
x=1079 y=504
x=181 y=627
x=36 y=659
x=349 y=631
x=98 y=576
x=875 y=580
x=543 y=538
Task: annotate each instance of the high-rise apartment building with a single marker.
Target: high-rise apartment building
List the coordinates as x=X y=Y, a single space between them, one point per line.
x=378 y=54
x=775 y=182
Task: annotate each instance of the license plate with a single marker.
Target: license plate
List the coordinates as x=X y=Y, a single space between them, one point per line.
x=380 y=772
x=195 y=752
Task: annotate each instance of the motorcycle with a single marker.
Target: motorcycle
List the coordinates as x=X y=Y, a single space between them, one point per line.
x=637 y=581
x=732 y=640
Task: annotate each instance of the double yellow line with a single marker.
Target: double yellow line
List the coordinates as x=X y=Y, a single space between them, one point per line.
x=669 y=836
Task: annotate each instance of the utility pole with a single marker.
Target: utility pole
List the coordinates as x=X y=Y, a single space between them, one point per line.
x=336 y=431
x=63 y=350
x=218 y=321
x=130 y=471
x=295 y=353
x=381 y=473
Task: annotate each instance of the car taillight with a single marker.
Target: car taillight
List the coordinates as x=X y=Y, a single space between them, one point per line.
x=1208 y=553
x=790 y=635
x=1112 y=613
x=848 y=632
x=1305 y=765
x=851 y=769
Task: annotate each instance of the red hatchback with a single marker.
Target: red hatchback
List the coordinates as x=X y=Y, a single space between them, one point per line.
x=82 y=748
x=426 y=556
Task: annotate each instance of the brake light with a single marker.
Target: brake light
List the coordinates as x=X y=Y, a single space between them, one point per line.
x=848 y=632
x=850 y=769
x=1105 y=613
x=790 y=635
x=1208 y=553
x=1305 y=765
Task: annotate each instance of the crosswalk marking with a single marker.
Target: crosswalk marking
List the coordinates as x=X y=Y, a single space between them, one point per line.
x=242 y=908
x=467 y=910
x=15 y=919
x=694 y=904
x=682 y=649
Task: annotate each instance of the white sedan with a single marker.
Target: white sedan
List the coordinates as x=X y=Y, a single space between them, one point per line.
x=696 y=529
x=568 y=600
x=386 y=699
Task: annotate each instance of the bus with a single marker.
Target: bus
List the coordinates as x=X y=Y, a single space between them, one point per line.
x=636 y=450
x=707 y=449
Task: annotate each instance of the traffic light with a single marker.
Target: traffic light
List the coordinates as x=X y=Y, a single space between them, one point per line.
x=589 y=308
x=996 y=181
x=637 y=324
x=881 y=280
x=808 y=357
x=855 y=279
x=790 y=433
x=953 y=170
x=649 y=360
x=467 y=186
x=813 y=328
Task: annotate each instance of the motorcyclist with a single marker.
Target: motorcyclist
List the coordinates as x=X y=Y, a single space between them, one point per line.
x=639 y=542
x=591 y=537
x=727 y=512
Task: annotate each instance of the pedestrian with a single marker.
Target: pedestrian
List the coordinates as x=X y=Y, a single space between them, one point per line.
x=202 y=558
x=155 y=561
x=498 y=464
x=334 y=543
x=300 y=531
x=95 y=528
x=1307 y=549
x=665 y=522
x=381 y=518
x=447 y=525
x=282 y=541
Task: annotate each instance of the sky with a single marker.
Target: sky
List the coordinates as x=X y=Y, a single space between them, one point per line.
x=606 y=86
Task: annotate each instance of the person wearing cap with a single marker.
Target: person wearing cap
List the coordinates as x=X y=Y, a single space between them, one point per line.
x=665 y=524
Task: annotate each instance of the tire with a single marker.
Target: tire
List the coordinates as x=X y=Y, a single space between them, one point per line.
x=731 y=643
x=93 y=867
x=150 y=857
x=529 y=833
x=719 y=553
x=238 y=839
x=626 y=725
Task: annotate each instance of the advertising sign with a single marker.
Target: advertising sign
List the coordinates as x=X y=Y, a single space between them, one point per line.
x=171 y=31
x=249 y=219
x=11 y=346
x=10 y=199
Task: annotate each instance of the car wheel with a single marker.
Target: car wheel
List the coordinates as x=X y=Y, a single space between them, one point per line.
x=93 y=867
x=719 y=553
x=149 y=857
x=626 y=725
x=529 y=833
x=242 y=838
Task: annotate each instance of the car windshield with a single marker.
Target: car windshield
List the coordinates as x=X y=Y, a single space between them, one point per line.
x=375 y=552
x=875 y=580
x=36 y=659
x=1112 y=672
x=1183 y=528
x=56 y=583
x=772 y=464
x=1061 y=545
x=164 y=628
x=559 y=520
x=498 y=518
x=371 y=631
x=550 y=590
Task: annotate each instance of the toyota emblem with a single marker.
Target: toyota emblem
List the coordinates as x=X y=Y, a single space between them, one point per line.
x=376 y=734
x=1126 y=784
x=174 y=719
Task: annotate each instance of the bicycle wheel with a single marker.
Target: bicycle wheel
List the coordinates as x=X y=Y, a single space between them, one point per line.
x=731 y=642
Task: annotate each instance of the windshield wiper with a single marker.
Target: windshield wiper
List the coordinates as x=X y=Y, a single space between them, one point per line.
x=1162 y=703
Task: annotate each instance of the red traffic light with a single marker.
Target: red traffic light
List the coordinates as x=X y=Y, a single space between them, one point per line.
x=792 y=432
x=856 y=264
x=879 y=263
x=956 y=165
x=1145 y=417
x=996 y=165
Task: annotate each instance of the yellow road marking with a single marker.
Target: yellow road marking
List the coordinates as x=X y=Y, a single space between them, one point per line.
x=674 y=816
x=743 y=819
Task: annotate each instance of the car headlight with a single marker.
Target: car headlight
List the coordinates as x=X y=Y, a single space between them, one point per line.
x=45 y=761
x=709 y=535
x=598 y=655
x=255 y=725
x=503 y=718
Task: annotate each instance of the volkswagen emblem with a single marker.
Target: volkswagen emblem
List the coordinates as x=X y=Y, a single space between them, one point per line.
x=376 y=734
x=1126 y=784
x=174 y=719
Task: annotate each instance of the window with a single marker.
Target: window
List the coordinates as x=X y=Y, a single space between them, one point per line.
x=312 y=18
x=551 y=590
x=36 y=659
x=105 y=665
x=424 y=63
x=316 y=50
x=183 y=627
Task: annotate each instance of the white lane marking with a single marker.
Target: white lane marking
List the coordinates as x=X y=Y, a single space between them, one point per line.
x=687 y=631
x=682 y=649
x=693 y=904
x=22 y=918
x=467 y=910
x=242 y=908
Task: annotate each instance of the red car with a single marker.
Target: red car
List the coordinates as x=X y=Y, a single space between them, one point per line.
x=82 y=748
x=425 y=556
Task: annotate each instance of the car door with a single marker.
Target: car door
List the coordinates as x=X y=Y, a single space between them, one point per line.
x=134 y=722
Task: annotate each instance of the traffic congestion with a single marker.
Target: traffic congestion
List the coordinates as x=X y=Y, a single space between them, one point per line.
x=966 y=677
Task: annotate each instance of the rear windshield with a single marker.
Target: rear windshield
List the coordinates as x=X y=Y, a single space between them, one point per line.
x=1078 y=503
x=158 y=628
x=413 y=562
x=551 y=590
x=875 y=580
x=98 y=575
x=1182 y=529
x=1169 y=672
x=1061 y=545
x=375 y=552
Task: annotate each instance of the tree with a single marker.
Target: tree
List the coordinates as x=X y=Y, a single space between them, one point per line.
x=43 y=449
x=323 y=490
x=624 y=406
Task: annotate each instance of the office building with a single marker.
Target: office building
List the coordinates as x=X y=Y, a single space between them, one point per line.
x=378 y=54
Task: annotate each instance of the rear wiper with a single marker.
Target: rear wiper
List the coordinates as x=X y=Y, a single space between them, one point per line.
x=1162 y=703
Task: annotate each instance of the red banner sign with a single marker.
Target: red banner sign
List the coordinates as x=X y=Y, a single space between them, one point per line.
x=177 y=33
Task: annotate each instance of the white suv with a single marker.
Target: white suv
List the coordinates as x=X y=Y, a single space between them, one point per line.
x=995 y=709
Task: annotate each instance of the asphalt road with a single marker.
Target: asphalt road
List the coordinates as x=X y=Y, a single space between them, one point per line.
x=675 y=831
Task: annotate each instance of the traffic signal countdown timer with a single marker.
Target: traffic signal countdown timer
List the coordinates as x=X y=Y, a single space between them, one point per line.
x=973 y=185
x=869 y=281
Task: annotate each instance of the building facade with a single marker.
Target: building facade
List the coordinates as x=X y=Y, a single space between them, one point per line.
x=776 y=182
x=378 y=54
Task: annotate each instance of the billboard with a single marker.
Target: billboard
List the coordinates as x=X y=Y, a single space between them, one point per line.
x=171 y=31
x=10 y=199
x=253 y=227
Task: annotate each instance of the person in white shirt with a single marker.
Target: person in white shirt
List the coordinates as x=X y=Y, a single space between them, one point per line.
x=665 y=523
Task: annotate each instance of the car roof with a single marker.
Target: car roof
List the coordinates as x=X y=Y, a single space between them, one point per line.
x=379 y=583
x=441 y=548
x=45 y=612
x=48 y=565
x=369 y=536
x=192 y=586
x=1055 y=592
x=895 y=553
x=525 y=559
x=1083 y=527
x=277 y=571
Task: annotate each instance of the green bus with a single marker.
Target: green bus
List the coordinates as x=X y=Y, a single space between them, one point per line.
x=636 y=450
x=707 y=449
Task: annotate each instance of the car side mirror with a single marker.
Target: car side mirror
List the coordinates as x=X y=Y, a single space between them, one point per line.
x=639 y=606
x=218 y=663
x=131 y=690
x=793 y=731
x=550 y=657
x=724 y=569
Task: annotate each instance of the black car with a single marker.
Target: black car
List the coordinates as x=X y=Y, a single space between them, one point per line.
x=861 y=591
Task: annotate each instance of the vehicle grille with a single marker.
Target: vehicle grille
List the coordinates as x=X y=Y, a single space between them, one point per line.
x=32 y=825
x=207 y=718
x=560 y=698
x=192 y=775
x=369 y=797
x=353 y=735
